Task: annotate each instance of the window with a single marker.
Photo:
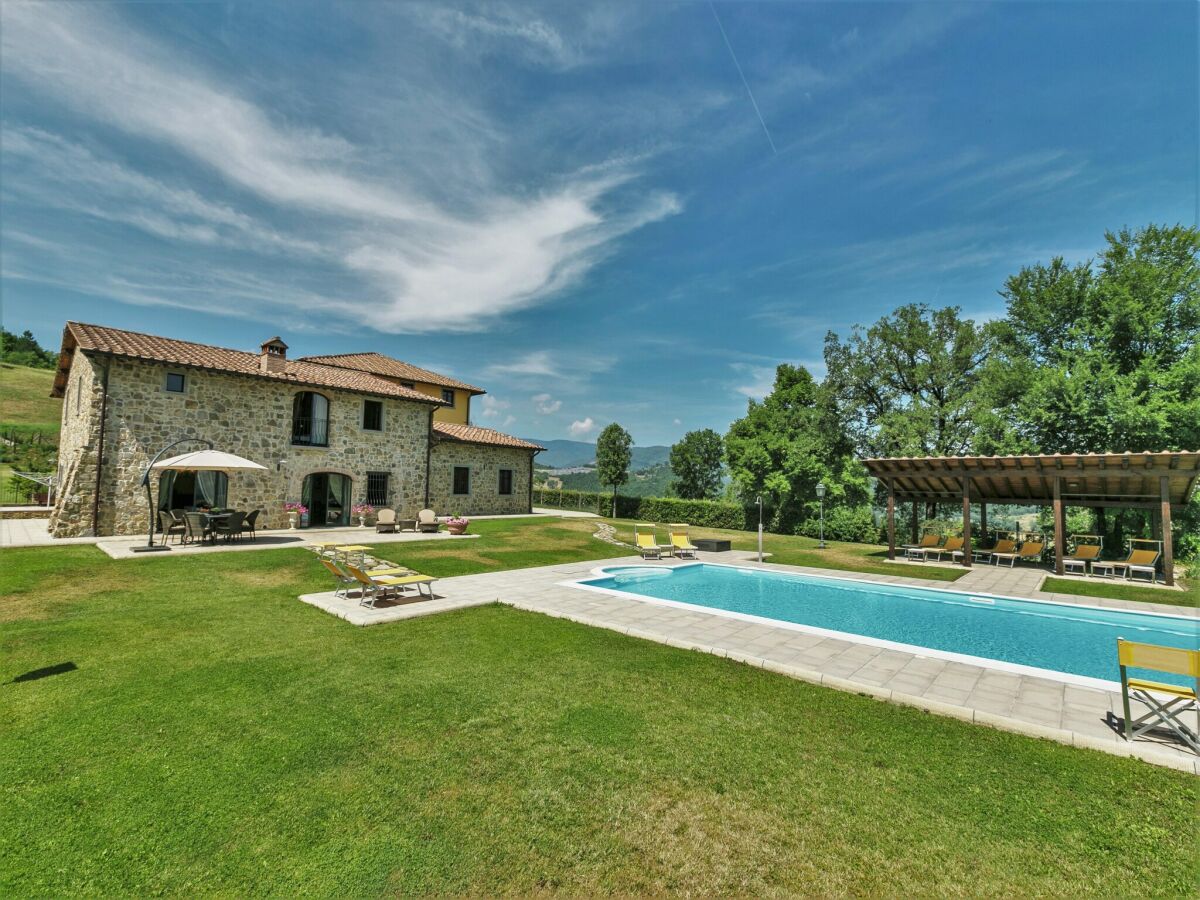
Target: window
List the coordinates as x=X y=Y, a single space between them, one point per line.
x=448 y=396
x=310 y=420
x=462 y=480
x=377 y=490
x=176 y=383
x=373 y=415
x=408 y=384
x=506 y=481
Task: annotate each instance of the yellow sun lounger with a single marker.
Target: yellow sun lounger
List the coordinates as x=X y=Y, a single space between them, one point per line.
x=1084 y=554
x=647 y=542
x=681 y=544
x=1030 y=551
x=374 y=585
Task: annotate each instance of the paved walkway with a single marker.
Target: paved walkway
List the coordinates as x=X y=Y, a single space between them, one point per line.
x=1041 y=707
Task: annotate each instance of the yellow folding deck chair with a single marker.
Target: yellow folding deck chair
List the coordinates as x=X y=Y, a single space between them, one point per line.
x=1138 y=561
x=1174 y=660
x=647 y=542
x=681 y=544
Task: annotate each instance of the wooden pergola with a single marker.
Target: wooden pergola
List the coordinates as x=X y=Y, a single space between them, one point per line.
x=1154 y=481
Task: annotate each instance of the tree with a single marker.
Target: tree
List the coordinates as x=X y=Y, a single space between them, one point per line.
x=696 y=463
x=789 y=442
x=24 y=350
x=1107 y=358
x=911 y=385
x=613 y=455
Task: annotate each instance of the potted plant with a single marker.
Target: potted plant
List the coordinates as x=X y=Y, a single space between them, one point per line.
x=456 y=524
x=294 y=512
x=362 y=510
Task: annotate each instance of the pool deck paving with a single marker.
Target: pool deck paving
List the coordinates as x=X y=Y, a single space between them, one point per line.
x=1077 y=715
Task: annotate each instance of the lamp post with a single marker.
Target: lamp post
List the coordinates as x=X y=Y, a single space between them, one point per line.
x=758 y=500
x=821 y=497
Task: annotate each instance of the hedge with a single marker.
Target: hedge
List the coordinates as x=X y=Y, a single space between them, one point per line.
x=701 y=513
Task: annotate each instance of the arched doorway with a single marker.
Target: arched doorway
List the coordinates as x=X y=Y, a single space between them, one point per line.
x=327 y=496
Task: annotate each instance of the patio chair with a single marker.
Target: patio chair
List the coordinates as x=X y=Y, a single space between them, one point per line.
x=1176 y=661
x=1080 y=558
x=230 y=526
x=385 y=521
x=427 y=521
x=1030 y=551
x=252 y=524
x=647 y=542
x=1143 y=561
x=681 y=544
x=169 y=525
x=198 y=529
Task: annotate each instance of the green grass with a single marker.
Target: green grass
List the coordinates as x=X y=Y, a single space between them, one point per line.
x=25 y=399
x=218 y=736
x=1122 y=591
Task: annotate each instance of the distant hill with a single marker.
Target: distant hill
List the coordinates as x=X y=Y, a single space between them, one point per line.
x=572 y=454
x=652 y=482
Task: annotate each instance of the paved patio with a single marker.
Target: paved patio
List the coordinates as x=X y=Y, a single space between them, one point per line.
x=1041 y=707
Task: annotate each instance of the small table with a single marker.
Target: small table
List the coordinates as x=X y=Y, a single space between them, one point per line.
x=712 y=545
x=1103 y=569
x=406 y=524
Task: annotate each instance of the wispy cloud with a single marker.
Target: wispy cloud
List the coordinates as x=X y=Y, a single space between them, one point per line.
x=754 y=382
x=546 y=405
x=424 y=261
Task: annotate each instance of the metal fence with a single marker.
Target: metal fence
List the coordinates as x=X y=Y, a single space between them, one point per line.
x=18 y=491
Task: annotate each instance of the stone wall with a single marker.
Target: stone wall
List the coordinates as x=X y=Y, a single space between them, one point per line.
x=251 y=418
x=78 y=445
x=485 y=463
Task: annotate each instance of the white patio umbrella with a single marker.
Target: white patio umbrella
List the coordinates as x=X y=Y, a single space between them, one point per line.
x=208 y=460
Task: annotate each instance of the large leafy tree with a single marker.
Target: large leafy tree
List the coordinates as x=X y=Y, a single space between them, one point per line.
x=789 y=442
x=1105 y=356
x=696 y=464
x=614 y=451
x=911 y=385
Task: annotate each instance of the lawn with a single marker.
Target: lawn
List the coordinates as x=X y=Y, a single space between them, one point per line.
x=1117 y=590
x=208 y=733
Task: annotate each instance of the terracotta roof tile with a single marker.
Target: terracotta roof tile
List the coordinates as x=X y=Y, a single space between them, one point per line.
x=472 y=434
x=379 y=364
x=135 y=345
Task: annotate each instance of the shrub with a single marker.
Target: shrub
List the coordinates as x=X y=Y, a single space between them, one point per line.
x=843 y=523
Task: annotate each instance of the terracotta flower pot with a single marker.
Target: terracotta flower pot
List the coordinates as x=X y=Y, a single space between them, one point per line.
x=456 y=529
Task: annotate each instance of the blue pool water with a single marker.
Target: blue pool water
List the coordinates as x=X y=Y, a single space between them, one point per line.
x=1059 y=637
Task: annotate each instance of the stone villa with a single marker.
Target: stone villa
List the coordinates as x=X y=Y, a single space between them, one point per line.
x=332 y=431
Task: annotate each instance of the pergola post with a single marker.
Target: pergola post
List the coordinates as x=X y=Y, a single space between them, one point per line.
x=916 y=538
x=1060 y=527
x=966 y=485
x=983 y=521
x=891 y=522
x=1168 y=548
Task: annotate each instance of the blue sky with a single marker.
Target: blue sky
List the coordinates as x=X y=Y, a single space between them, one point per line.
x=575 y=205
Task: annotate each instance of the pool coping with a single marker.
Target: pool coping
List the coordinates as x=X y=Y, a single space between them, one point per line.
x=982 y=662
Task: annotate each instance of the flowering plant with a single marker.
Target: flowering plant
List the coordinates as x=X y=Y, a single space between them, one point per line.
x=363 y=509
x=458 y=521
x=299 y=508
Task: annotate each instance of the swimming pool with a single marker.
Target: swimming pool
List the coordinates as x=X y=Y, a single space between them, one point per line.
x=1071 y=642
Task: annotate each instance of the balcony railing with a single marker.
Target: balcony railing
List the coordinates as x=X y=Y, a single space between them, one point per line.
x=310 y=432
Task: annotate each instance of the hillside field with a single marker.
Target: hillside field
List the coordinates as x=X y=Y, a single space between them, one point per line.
x=25 y=399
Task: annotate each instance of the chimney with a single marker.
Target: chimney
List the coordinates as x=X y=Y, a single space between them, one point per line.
x=272 y=356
